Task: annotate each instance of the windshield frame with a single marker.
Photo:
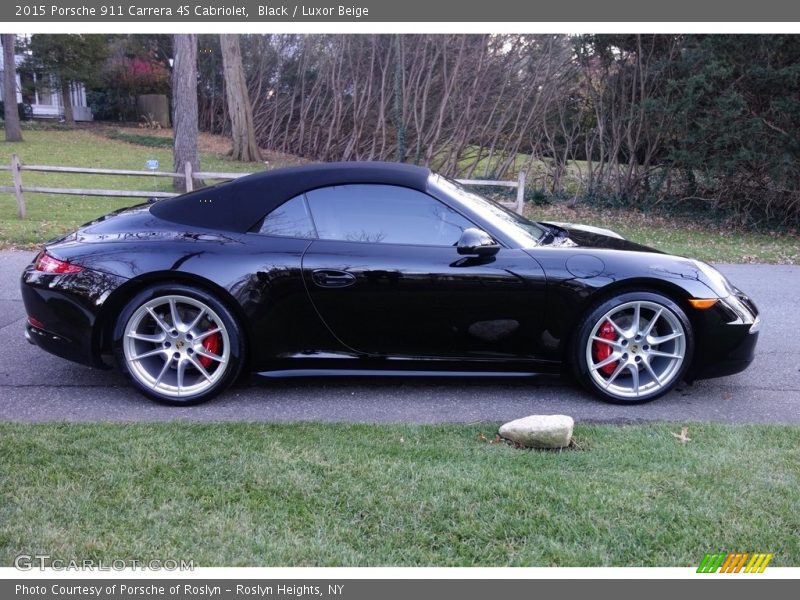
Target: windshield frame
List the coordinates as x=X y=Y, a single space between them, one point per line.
x=518 y=231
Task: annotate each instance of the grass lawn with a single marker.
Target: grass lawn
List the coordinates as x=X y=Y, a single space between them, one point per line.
x=364 y=495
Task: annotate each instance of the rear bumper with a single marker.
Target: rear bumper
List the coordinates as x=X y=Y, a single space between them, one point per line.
x=63 y=312
x=75 y=349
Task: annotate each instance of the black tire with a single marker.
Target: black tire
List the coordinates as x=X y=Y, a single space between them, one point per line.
x=190 y=371
x=636 y=369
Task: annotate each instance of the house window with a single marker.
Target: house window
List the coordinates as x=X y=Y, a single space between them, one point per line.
x=44 y=91
x=28 y=86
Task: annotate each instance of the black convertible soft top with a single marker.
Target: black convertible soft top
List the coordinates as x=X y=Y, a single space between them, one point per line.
x=238 y=205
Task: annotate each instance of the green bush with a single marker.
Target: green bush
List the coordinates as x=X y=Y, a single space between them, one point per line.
x=151 y=141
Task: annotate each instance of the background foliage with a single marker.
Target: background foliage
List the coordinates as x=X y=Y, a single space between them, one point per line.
x=705 y=124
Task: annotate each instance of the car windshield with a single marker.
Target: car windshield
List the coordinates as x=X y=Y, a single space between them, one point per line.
x=524 y=232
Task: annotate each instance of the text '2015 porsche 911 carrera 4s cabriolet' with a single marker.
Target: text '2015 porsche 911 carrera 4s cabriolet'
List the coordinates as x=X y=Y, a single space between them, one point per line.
x=375 y=268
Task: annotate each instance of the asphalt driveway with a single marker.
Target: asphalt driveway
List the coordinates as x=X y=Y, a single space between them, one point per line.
x=35 y=386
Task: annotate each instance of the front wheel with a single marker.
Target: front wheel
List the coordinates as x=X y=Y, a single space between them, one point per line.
x=178 y=344
x=633 y=348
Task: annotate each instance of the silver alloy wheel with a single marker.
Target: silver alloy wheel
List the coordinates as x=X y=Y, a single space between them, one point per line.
x=163 y=346
x=647 y=351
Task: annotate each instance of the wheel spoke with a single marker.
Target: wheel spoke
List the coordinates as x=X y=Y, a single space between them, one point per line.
x=148 y=354
x=156 y=338
x=205 y=353
x=606 y=361
x=196 y=364
x=637 y=315
x=177 y=322
x=652 y=323
x=620 y=368
x=613 y=343
x=657 y=341
x=634 y=377
x=652 y=373
x=181 y=371
x=164 y=369
x=196 y=320
x=205 y=334
x=659 y=354
x=620 y=332
x=159 y=320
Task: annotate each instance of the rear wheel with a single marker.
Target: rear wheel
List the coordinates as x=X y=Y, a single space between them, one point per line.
x=634 y=347
x=179 y=344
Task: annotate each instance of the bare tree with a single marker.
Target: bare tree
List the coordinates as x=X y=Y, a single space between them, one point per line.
x=13 y=130
x=240 y=110
x=606 y=117
x=184 y=107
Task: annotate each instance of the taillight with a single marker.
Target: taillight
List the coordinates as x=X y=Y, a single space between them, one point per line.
x=35 y=322
x=49 y=264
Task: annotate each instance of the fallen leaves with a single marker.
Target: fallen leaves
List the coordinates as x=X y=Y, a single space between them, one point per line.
x=683 y=436
x=495 y=440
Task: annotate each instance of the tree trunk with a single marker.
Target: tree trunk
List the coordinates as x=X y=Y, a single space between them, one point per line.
x=184 y=108
x=399 y=122
x=13 y=130
x=239 y=108
x=66 y=100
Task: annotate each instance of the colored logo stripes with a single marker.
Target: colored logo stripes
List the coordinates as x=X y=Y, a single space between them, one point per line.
x=734 y=562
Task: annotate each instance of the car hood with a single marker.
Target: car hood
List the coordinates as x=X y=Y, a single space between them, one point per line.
x=588 y=236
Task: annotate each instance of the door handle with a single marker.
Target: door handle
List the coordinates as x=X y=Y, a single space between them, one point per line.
x=331 y=278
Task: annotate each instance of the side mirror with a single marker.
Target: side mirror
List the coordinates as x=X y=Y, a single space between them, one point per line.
x=475 y=242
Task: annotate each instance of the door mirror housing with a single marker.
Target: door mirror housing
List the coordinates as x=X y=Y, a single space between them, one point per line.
x=476 y=242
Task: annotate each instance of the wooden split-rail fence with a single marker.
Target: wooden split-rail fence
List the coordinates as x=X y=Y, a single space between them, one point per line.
x=19 y=189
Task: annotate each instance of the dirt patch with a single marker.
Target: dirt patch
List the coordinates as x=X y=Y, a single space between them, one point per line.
x=221 y=145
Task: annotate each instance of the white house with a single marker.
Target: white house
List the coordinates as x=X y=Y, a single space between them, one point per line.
x=39 y=90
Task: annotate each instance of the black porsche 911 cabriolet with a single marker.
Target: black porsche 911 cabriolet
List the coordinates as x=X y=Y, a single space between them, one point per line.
x=373 y=268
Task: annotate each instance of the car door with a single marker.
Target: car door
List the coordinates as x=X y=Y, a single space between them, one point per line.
x=386 y=278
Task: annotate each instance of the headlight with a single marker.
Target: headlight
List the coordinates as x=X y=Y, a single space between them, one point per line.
x=717 y=281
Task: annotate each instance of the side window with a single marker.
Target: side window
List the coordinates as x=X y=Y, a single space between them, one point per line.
x=384 y=214
x=290 y=219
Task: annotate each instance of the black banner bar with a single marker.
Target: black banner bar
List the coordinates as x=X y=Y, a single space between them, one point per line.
x=729 y=588
x=315 y=11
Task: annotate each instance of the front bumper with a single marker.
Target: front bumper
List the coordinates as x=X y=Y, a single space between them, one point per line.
x=734 y=361
x=726 y=337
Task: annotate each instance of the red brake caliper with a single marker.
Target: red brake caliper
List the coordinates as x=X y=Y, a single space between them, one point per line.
x=213 y=344
x=601 y=351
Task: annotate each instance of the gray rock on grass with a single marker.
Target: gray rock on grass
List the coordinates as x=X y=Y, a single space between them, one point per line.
x=540 y=431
